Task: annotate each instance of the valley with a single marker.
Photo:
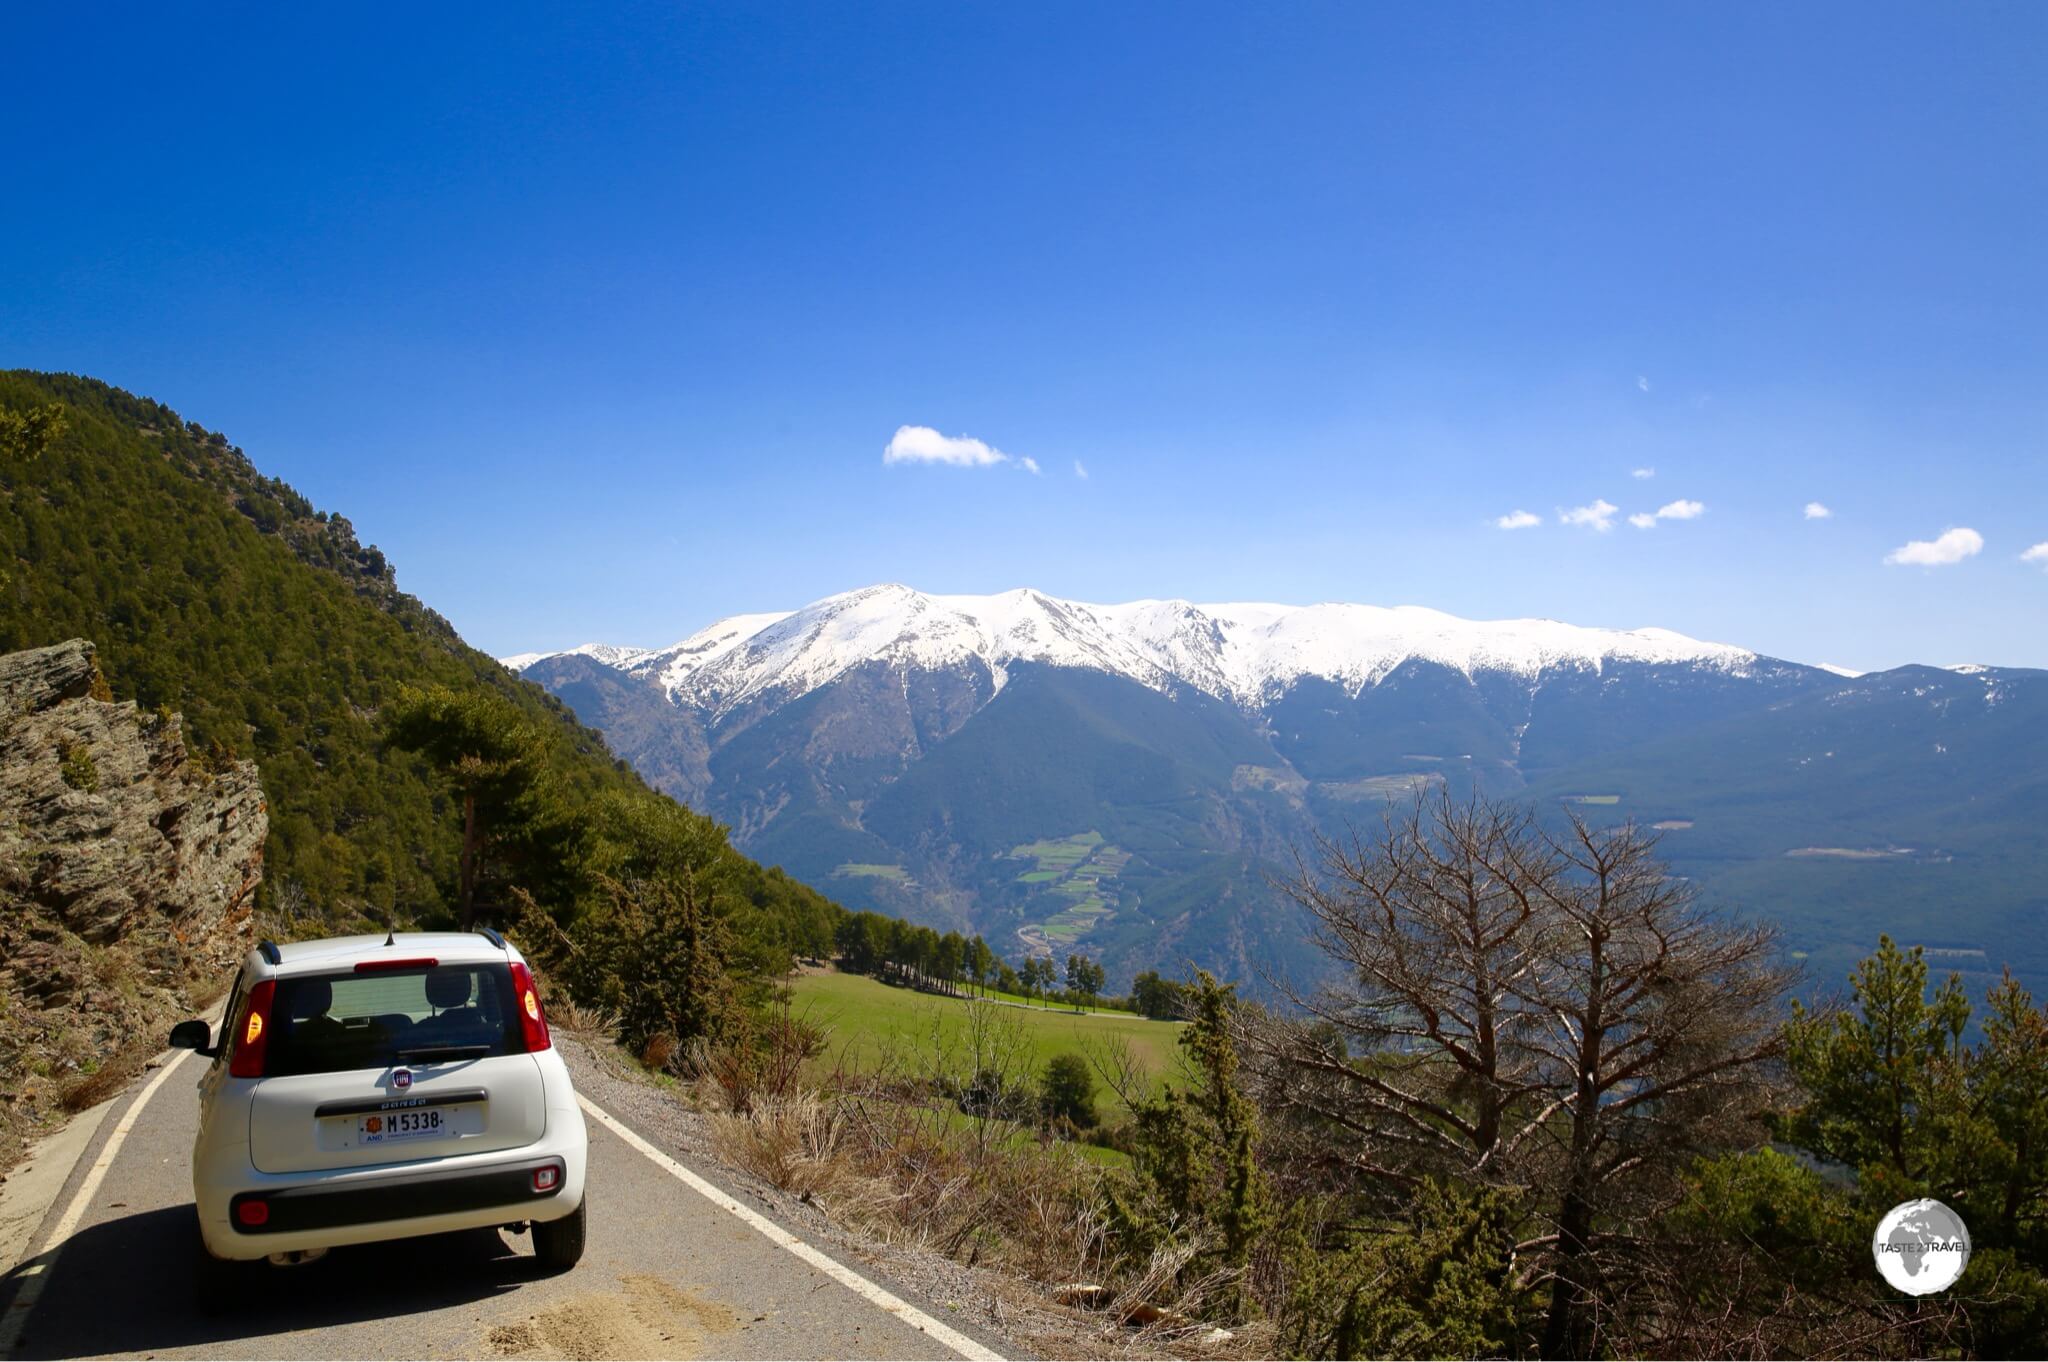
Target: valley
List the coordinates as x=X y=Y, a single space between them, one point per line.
x=1136 y=780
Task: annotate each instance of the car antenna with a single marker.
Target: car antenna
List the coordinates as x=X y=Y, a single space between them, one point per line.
x=390 y=936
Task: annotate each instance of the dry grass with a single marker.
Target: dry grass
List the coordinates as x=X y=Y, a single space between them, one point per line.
x=597 y=1025
x=120 y=1068
x=909 y=1170
x=795 y=1143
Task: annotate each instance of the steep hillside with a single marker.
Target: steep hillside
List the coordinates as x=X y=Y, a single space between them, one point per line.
x=128 y=876
x=221 y=594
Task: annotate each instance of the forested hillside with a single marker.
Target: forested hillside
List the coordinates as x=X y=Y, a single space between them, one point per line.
x=223 y=595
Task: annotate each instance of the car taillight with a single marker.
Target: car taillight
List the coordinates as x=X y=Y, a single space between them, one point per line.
x=532 y=1024
x=252 y=1040
x=252 y=1212
x=545 y=1179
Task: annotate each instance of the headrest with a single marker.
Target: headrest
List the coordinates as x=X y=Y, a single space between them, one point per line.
x=311 y=998
x=448 y=987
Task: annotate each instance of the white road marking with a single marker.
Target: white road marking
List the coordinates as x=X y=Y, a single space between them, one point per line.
x=781 y=1238
x=37 y=1272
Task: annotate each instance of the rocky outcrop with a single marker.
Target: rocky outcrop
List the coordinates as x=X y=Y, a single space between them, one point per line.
x=128 y=874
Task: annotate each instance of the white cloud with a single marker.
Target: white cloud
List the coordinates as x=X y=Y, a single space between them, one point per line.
x=1030 y=465
x=1642 y=383
x=1599 y=515
x=1816 y=511
x=1080 y=471
x=1670 y=510
x=1953 y=546
x=1644 y=473
x=922 y=444
x=1518 y=520
x=2036 y=554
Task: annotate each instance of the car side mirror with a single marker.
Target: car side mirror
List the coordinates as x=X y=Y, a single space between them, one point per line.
x=192 y=1035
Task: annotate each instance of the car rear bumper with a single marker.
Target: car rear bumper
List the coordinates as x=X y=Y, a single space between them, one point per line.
x=361 y=1206
x=289 y=1210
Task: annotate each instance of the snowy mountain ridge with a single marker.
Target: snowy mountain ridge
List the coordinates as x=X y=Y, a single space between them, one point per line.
x=1245 y=653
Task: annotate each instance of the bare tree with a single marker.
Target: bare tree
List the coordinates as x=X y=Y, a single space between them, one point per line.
x=981 y=1051
x=1550 y=1013
x=1117 y=1064
x=1659 y=1016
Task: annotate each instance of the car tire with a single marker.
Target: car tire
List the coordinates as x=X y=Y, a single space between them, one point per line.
x=559 y=1243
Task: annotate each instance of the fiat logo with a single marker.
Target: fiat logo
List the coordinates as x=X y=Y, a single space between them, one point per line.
x=401 y=1079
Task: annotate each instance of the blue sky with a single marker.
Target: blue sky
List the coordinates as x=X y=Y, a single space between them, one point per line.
x=599 y=324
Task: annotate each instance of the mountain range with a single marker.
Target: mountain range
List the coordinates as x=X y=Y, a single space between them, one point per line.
x=1136 y=780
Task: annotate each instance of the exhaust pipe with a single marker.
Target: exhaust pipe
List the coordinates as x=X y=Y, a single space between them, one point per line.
x=297 y=1257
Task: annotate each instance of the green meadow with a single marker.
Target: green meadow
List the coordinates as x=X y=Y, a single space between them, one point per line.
x=868 y=1021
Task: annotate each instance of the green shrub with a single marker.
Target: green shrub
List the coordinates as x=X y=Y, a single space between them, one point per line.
x=1067 y=1091
x=75 y=764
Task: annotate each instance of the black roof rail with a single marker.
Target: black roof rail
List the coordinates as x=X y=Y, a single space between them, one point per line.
x=491 y=936
x=268 y=950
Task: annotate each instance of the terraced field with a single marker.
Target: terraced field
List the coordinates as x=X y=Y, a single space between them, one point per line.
x=857 y=870
x=1074 y=889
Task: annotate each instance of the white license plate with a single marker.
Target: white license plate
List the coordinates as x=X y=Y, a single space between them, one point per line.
x=414 y=1123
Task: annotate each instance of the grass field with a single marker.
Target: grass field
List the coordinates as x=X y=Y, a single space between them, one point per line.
x=866 y=1020
x=858 y=870
x=1393 y=787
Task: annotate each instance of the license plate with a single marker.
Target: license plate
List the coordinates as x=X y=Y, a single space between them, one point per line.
x=417 y=1123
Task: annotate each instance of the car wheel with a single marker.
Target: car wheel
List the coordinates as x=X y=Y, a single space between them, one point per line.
x=559 y=1243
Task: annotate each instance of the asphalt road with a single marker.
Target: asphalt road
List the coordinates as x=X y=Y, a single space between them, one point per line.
x=669 y=1272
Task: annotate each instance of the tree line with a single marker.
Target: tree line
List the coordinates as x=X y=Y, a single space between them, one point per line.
x=906 y=953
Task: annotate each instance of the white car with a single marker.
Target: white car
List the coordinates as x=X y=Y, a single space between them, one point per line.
x=379 y=1087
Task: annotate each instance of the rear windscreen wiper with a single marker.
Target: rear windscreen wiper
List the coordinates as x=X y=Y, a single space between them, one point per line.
x=434 y=1052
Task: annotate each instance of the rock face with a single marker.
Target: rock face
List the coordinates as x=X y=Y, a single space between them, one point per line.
x=128 y=874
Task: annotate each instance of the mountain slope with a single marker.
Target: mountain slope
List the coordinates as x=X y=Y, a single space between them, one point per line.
x=1910 y=800
x=223 y=595
x=1133 y=778
x=128 y=876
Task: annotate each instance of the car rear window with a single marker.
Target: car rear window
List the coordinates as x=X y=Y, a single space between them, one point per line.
x=326 y=1022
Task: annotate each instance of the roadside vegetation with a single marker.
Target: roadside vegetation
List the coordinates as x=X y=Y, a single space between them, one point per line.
x=1549 y=1107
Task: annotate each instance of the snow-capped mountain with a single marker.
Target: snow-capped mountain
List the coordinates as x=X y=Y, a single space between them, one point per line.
x=610 y=654
x=1131 y=780
x=1248 y=654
